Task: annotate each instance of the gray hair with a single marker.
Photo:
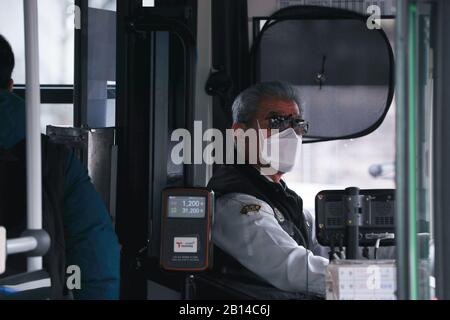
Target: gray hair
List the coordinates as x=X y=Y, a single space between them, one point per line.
x=248 y=102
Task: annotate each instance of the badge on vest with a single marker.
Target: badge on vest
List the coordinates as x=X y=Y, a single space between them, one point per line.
x=250 y=209
x=278 y=215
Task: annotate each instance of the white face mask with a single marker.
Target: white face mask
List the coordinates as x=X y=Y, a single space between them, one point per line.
x=281 y=150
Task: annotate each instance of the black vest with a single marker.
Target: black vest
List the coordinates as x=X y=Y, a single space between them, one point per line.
x=287 y=205
x=13 y=207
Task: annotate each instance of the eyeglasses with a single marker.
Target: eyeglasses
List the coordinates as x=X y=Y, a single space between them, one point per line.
x=282 y=123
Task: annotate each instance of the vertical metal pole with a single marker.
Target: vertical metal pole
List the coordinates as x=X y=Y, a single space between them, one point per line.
x=203 y=102
x=401 y=196
x=412 y=150
x=353 y=221
x=81 y=67
x=33 y=100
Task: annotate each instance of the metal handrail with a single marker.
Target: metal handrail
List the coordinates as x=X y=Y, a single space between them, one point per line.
x=21 y=245
x=33 y=134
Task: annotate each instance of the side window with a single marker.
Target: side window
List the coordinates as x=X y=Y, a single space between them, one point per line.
x=55 y=114
x=56 y=40
x=367 y=162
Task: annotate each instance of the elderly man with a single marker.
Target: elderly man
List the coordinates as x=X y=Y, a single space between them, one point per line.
x=259 y=221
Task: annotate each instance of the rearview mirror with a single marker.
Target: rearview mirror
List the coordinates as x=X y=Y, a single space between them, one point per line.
x=343 y=69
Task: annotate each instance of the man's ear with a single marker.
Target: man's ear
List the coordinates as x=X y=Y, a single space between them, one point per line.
x=11 y=85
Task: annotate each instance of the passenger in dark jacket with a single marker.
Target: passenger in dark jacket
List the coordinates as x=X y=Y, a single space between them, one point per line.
x=90 y=240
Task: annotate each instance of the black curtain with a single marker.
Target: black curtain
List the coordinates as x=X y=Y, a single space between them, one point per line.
x=231 y=54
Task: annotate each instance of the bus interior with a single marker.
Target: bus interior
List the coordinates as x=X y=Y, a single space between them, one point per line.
x=118 y=78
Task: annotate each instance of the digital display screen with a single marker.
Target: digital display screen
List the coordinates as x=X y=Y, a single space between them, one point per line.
x=187 y=207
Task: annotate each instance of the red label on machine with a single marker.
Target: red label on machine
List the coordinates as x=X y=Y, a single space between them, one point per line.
x=185 y=245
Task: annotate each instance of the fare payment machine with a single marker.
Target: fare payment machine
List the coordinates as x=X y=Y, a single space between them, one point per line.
x=186 y=229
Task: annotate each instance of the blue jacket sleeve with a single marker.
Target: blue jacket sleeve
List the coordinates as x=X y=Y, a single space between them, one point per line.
x=91 y=243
